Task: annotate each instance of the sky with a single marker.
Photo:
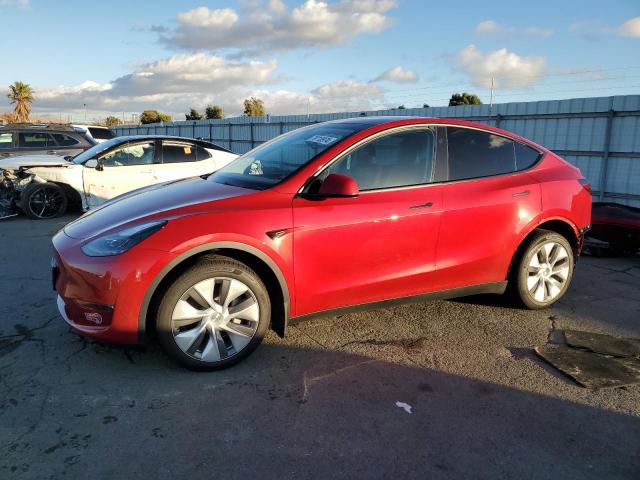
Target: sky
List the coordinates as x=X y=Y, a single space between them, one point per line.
x=311 y=56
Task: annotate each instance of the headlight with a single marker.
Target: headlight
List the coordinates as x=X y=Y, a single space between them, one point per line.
x=119 y=242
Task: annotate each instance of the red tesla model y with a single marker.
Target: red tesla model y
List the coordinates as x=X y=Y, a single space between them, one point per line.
x=339 y=215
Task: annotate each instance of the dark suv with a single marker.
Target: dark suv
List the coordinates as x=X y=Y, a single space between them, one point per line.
x=31 y=139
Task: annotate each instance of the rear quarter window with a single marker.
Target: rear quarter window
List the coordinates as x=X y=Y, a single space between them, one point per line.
x=525 y=156
x=101 y=133
x=65 y=140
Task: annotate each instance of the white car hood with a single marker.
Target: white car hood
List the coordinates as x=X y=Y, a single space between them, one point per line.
x=14 y=163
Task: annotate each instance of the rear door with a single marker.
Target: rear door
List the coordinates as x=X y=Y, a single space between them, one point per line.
x=379 y=245
x=124 y=168
x=182 y=159
x=487 y=201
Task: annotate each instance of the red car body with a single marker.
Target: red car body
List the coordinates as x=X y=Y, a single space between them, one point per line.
x=317 y=256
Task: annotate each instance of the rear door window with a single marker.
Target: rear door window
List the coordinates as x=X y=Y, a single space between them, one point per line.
x=35 y=140
x=6 y=140
x=474 y=154
x=176 y=152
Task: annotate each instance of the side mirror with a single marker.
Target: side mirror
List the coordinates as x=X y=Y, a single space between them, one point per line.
x=336 y=185
x=93 y=163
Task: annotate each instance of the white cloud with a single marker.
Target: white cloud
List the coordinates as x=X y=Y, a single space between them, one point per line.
x=345 y=89
x=397 y=75
x=277 y=6
x=630 y=28
x=177 y=83
x=595 y=30
x=205 y=18
x=172 y=84
x=507 y=68
x=314 y=23
x=491 y=27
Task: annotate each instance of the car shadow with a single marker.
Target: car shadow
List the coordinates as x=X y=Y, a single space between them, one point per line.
x=292 y=412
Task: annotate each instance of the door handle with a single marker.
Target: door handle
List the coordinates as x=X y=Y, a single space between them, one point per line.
x=521 y=194
x=52 y=152
x=424 y=205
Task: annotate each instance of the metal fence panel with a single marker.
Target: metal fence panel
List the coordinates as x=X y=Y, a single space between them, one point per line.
x=599 y=135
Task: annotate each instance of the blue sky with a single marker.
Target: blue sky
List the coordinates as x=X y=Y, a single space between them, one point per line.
x=310 y=55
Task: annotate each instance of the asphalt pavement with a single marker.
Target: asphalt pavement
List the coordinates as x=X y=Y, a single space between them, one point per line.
x=445 y=389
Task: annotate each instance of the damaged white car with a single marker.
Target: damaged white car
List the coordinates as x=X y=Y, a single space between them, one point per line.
x=44 y=186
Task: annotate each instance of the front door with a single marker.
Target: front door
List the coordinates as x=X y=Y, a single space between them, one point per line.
x=379 y=245
x=125 y=168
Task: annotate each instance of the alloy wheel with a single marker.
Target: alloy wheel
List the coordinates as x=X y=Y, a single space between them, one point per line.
x=215 y=319
x=548 y=272
x=46 y=202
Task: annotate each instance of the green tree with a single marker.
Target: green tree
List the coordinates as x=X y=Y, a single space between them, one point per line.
x=401 y=107
x=464 y=99
x=21 y=95
x=193 y=115
x=112 y=121
x=425 y=105
x=154 y=116
x=254 y=107
x=213 y=112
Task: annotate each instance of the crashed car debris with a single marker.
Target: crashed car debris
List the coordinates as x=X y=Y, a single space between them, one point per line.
x=12 y=185
x=43 y=186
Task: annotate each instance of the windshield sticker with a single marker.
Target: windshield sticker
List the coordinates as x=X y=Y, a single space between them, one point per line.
x=322 y=139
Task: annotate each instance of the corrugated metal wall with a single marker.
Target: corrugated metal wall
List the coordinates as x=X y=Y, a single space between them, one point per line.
x=600 y=135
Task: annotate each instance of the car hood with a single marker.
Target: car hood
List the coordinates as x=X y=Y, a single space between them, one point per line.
x=33 y=161
x=148 y=201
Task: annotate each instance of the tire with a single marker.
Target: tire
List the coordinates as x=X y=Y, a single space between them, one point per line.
x=43 y=200
x=543 y=275
x=196 y=329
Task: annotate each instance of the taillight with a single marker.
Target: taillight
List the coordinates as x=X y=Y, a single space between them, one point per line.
x=585 y=184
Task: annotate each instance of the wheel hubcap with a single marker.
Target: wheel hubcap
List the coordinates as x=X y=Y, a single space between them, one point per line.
x=548 y=272
x=215 y=319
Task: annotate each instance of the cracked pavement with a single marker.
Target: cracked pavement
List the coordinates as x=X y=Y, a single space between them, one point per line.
x=322 y=402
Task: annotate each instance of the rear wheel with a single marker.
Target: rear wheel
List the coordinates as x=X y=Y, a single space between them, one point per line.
x=43 y=200
x=545 y=270
x=214 y=315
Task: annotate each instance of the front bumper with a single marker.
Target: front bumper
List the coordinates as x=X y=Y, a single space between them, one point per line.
x=101 y=297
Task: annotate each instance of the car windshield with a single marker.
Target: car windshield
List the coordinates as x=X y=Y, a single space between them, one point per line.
x=96 y=150
x=272 y=162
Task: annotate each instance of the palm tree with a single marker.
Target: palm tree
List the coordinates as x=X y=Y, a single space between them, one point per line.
x=21 y=95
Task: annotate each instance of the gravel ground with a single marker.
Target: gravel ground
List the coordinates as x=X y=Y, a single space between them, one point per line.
x=322 y=402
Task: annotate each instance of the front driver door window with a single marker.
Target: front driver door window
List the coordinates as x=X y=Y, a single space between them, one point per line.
x=124 y=168
x=380 y=244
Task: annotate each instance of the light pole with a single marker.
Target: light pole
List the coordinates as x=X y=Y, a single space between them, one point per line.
x=85 y=112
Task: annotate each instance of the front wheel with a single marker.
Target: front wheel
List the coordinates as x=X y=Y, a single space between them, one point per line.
x=214 y=315
x=545 y=270
x=43 y=200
